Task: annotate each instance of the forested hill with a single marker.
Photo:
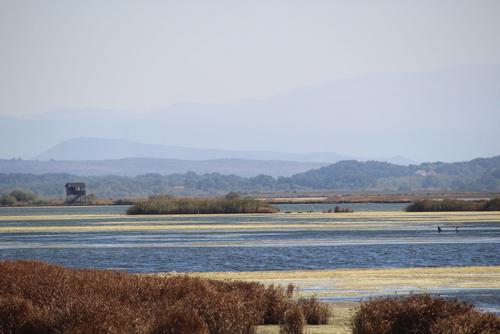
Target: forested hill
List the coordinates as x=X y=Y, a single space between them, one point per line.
x=475 y=175
x=478 y=174
x=349 y=174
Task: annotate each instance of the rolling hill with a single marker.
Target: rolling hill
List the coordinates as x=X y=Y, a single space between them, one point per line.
x=478 y=175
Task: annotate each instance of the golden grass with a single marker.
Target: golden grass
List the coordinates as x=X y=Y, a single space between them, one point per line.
x=156 y=227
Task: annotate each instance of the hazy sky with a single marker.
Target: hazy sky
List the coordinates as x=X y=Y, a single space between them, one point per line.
x=146 y=55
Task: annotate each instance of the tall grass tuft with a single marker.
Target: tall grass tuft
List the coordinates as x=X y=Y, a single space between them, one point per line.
x=41 y=298
x=314 y=312
x=293 y=321
x=423 y=314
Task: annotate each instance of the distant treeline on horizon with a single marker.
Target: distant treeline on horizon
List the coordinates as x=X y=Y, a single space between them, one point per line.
x=476 y=175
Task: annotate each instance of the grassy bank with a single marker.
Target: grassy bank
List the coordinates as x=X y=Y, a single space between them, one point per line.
x=226 y=205
x=454 y=205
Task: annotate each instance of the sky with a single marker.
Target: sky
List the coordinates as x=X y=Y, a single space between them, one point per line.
x=147 y=56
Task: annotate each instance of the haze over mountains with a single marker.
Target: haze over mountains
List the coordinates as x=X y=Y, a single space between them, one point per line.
x=423 y=116
x=95 y=156
x=78 y=149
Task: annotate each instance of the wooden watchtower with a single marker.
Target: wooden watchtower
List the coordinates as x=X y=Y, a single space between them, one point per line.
x=76 y=193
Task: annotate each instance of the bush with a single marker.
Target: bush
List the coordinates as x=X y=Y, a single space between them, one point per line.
x=314 y=312
x=293 y=321
x=472 y=322
x=275 y=302
x=7 y=200
x=492 y=205
x=180 y=320
x=18 y=197
x=168 y=205
x=23 y=196
x=42 y=298
x=423 y=314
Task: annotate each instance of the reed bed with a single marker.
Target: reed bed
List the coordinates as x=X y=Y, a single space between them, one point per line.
x=156 y=205
x=428 y=205
x=37 y=297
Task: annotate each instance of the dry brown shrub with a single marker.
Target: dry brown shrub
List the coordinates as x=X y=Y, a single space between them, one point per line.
x=290 y=290
x=472 y=322
x=41 y=298
x=314 y=312
x=412 y=314
x=275 y=304
x=293 y=321
x=17 y=315
x=180 y=319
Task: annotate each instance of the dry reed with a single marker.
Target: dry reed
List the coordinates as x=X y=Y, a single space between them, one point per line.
x=37 y=297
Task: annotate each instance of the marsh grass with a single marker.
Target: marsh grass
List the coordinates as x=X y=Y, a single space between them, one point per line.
x=454 y=205
x=169 y=205
x=40 y=298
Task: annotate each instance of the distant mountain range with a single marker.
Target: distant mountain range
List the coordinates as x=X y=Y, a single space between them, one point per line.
x=450 y=114
x=81 y=149
x=481 y=174
x=95 y=156
x=139 y=166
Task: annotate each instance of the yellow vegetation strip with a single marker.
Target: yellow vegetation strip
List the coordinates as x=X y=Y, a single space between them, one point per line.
x=128 y=227
x=494 y=215
x=348 y=282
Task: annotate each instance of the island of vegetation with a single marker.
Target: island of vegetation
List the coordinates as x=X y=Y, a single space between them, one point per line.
x=454 y=205
x=231 y=203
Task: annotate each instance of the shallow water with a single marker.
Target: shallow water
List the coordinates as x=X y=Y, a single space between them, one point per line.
x=103 y=237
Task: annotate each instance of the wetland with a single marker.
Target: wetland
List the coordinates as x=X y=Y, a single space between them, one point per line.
x=343 y=258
